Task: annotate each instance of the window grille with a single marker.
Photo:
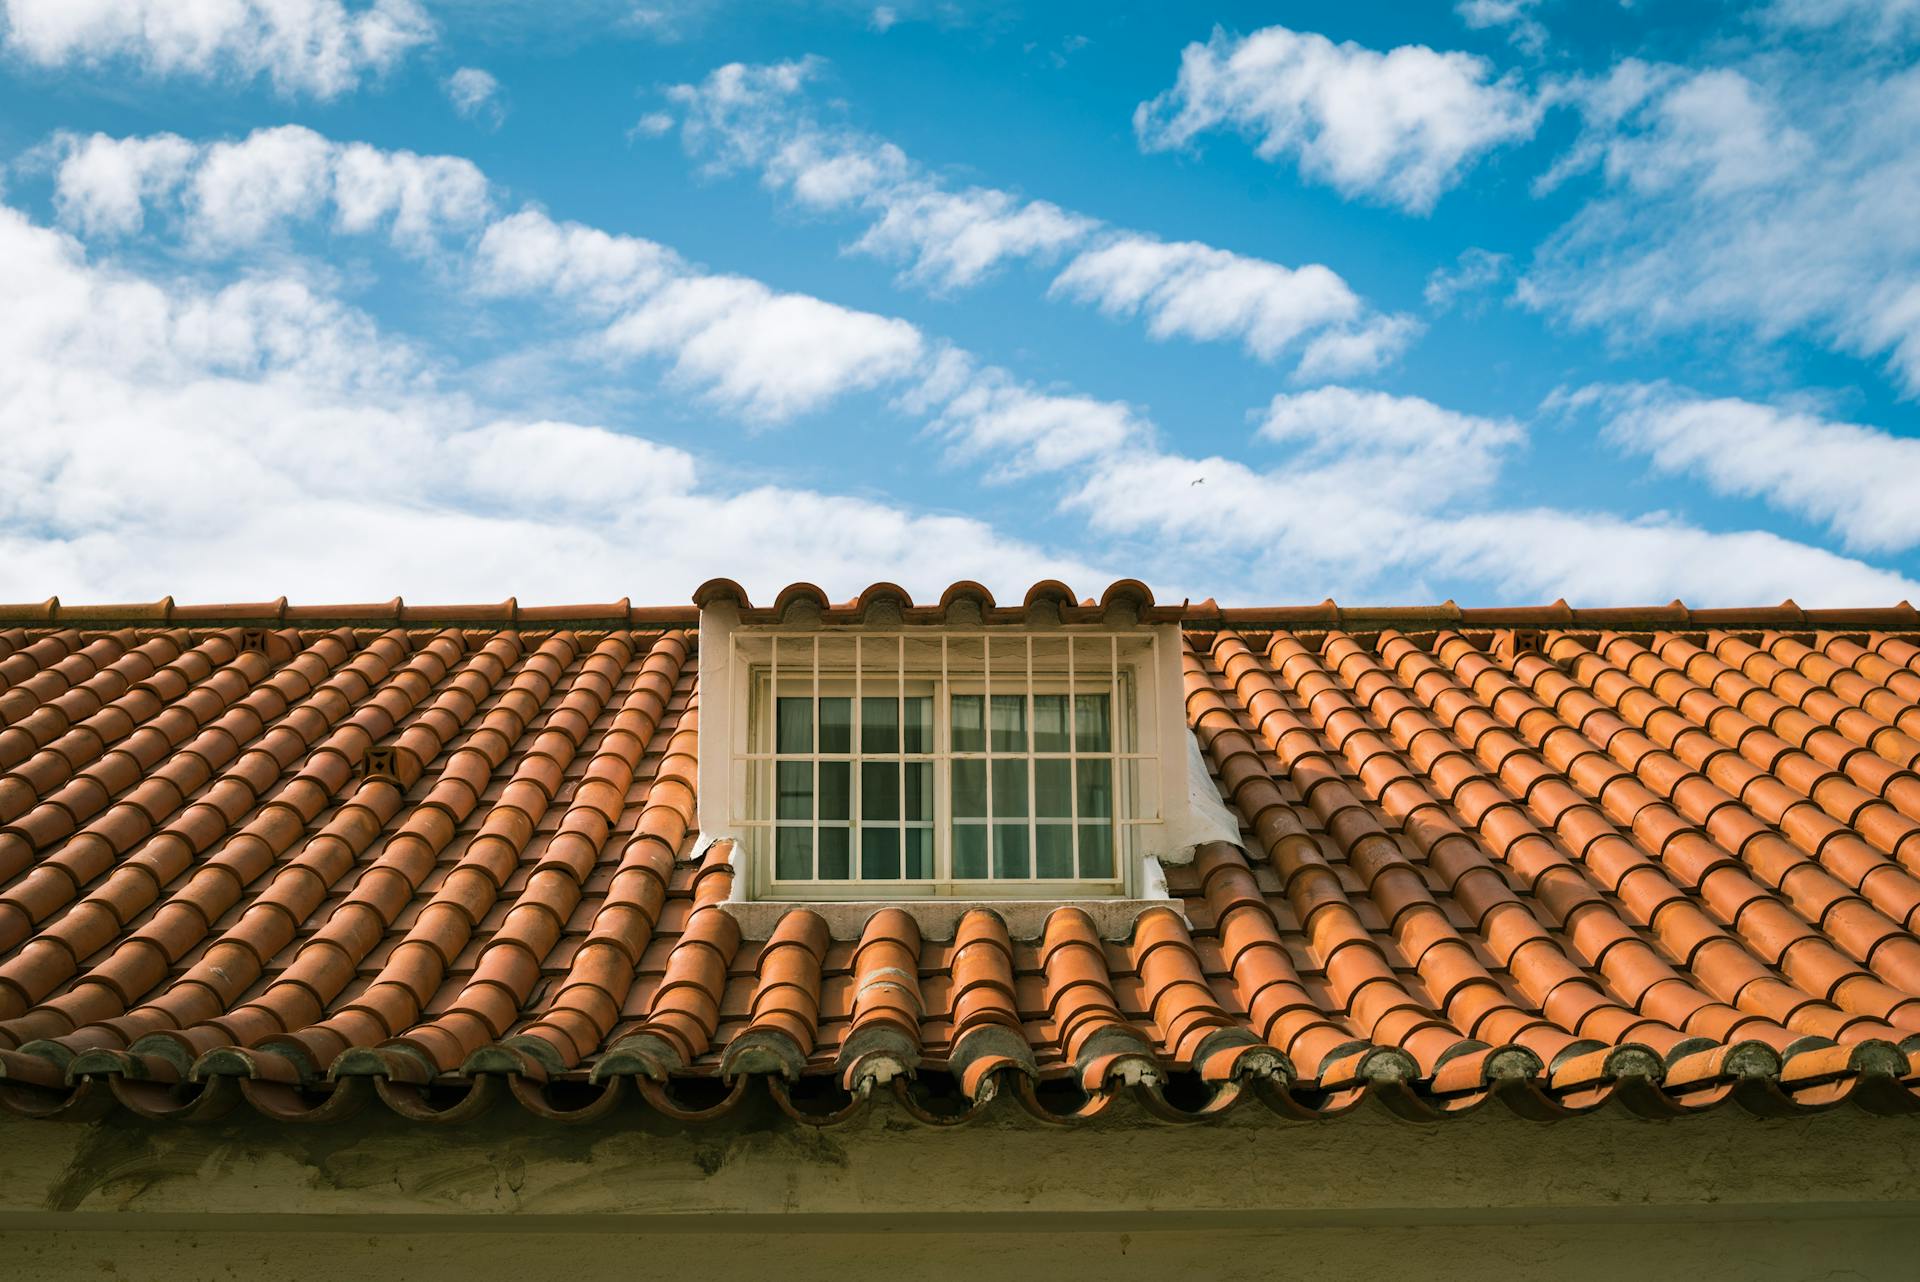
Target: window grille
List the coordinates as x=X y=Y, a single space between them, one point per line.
x=930 y=763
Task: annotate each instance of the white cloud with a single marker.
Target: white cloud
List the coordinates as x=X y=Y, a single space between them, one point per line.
x=1366 y=348
x=229 y=194
x=653 y=124
x=1861 y=483
x=1286 y=534
x=1293 y=535
x=1523 y=29
x=321 y=48
x=258 y=439
x=1378 y=499
x=171 y=429
x=765 y=354
x=1400 y=127
x=94 y=318
x=529 y=253
x=1365 y=473
x=770 y=356
x=954 y=239
x=475 y=94
x=1772 y=203
x=566 y=465
x=241 y=191
x=1653 y=128
x=1196 y=291
x=762 y=353
x=754 y=117
x=746 y=116
x=1406 y=443
x=1590 y=557
x=420 y=197
x=883 y=17
x=1476 y=269
x=735 y=115
x=1879 y=20
x=1018 y=431
x=1190 y=290
x=104 y=184
x=1193 y=290
x=825 y=172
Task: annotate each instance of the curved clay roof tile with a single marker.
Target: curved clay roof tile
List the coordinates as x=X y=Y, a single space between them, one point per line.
x=878 y=592
x=793 y=594
x=1656 y=857
x=714 y=591
x=966 y=590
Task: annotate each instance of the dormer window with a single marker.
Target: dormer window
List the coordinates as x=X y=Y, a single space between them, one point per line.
x=939 y=762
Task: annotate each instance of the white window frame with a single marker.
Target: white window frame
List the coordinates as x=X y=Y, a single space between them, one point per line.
x=1131 y=675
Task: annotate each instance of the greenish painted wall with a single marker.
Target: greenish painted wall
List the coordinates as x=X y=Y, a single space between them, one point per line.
x=1726 y=1194
x=1828 y=1249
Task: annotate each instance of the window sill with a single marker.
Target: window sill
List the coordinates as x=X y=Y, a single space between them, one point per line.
x=939 y=918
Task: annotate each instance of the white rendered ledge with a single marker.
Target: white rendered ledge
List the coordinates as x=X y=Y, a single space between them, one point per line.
x=938 y=919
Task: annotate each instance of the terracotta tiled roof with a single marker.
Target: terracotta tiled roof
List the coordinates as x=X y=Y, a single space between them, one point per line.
x=307 y=858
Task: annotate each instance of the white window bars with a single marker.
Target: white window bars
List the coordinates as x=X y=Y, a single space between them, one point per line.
x=929 y=763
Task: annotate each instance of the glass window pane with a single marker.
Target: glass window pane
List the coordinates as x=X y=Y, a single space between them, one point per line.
x=793 y=853
x=1050 y=723
x=1096 y=788
x=917 y=734
x=919 y=852
x=879 y=724
x=836 y=725
x=879 y=790
x=836 y=785
x=1053 y=789
x=1091 y=731
x=1010 y=788
x=1009 y=723
x=970 y=850
x=880 y=854
x=1096 y=851
x=970 y=789
x=1053 y=850
x=794 y=787
x=969 y=732
x=919 y=798
x=795 y=725
x=1010 y=851
x=836 y=863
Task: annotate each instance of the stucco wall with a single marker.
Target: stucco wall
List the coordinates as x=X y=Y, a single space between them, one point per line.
x=1827 y=1249
x=1726 y=1194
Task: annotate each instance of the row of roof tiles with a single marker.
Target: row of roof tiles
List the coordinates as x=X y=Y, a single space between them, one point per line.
x=307 y=869
x=1048 y=598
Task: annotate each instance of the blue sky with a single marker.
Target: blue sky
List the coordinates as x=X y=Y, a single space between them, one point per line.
x=1503 y=301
